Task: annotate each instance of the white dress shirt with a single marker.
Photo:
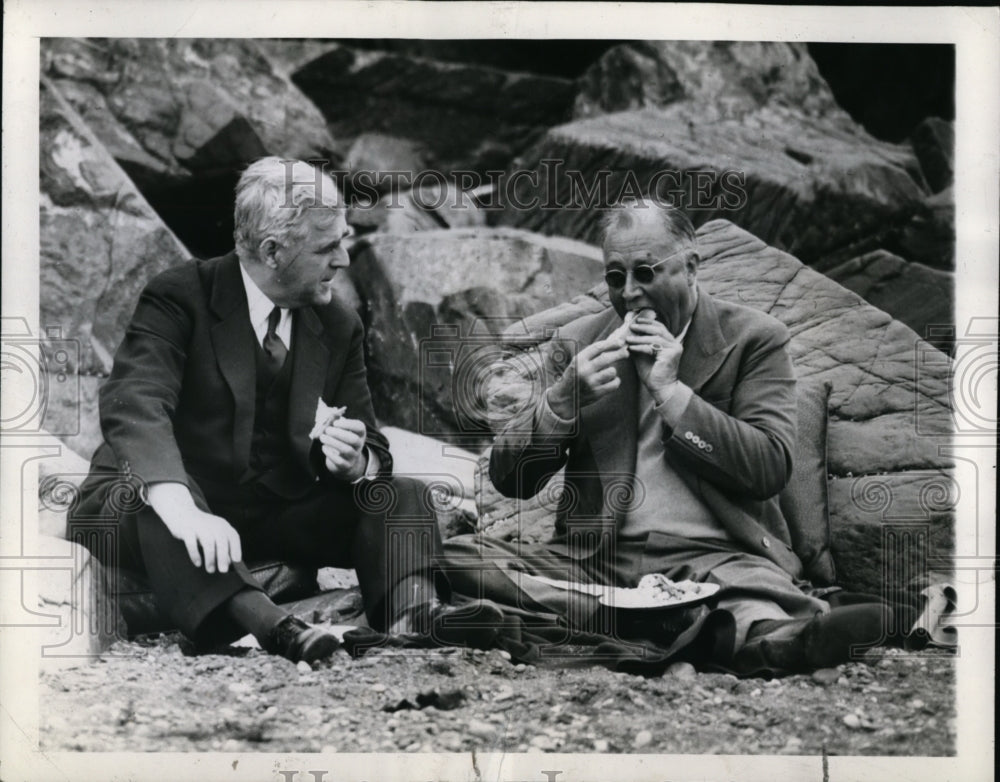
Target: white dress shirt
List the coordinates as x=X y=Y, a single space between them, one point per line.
x=260 y=310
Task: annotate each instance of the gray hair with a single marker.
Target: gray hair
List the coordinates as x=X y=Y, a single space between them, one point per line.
x=271 y=198
x=628 y=213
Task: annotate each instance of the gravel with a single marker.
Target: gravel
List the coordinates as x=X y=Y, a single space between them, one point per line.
x=151 y=696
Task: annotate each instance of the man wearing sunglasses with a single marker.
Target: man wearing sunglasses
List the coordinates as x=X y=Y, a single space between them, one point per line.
x=674 y=416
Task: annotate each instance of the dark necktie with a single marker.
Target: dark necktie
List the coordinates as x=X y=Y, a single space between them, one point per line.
x=274 y=348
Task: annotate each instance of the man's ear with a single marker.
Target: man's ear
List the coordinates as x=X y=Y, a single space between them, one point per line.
x=268 y=252
x=691 y=264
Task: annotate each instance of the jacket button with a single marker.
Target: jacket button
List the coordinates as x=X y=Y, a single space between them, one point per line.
x=688 y=435
x=708 y=447
x=766 y=542
x=702 y=444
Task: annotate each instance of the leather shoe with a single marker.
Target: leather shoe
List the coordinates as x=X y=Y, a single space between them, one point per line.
x=294 y=639
x=474 y=624
x=824 y=641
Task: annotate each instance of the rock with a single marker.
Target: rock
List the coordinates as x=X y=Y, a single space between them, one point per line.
x=428 y=459
x=303 y=667
x=642 y=738
x=682 y=670
x=379 y=687
x=76 y=594
x=436 y=303
x=825 y=676
x=929 y=236
x=223 y=104
x=481 y=729
x=917 y=295
x=100 y=242
x=800 y=184
x=464 y=116
x=445 y=700
x=852 y=721
x=933 y=142
x=59 y=479
x=183 y=117
x=733 y=77
x=383 y=156
x=600 y=745
x=439 y=204
x=885 y=426
x=544 y=742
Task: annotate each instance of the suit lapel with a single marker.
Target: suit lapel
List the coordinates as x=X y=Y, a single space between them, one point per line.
x=705 y=346
x=310 y=359
x=233 y=342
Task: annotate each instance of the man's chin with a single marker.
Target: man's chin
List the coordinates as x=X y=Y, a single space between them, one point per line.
x=323 y=294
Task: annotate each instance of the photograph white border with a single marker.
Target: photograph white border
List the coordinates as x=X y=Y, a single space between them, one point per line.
x=975 y=31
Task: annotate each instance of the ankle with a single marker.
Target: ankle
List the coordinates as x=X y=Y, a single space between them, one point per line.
x=255 y=612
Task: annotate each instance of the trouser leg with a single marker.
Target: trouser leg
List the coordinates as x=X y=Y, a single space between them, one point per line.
x=188 y=595
x=486 y=568
x=381 y=528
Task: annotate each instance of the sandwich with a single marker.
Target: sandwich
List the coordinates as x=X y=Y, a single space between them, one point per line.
x=325 y=415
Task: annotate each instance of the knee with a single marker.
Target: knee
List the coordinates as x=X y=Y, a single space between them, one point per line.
x=395 y=497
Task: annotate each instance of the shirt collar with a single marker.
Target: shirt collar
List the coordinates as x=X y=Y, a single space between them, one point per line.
x=259 y=304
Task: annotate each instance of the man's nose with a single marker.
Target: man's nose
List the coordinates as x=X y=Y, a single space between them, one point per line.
x=632 y=288
x=340 y=258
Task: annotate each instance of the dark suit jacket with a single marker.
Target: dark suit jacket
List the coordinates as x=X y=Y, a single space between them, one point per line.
x=744 y=407
x=179 y=404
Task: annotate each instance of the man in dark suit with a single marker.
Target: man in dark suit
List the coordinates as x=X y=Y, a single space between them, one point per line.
x=208 y=414
x=676 y=437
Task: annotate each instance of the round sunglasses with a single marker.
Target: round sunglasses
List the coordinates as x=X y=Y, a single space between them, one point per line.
x=642 y=274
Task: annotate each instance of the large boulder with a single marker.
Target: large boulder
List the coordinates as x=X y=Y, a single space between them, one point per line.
x=78 y=596
x=183 y=105
x=929 y=236
x=917 y=295
x=184 y=116
x=447 y=471
x=735 y=77
x=100 y=239
x=889 y=410
x=436 y=301
x=429 y=208
x=465 y=116
x=799 y=183
x=933 y=142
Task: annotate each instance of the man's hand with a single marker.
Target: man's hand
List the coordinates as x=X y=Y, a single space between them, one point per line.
x=343 y=444
x=592 y=371
x=209 y=539
x=656 y=354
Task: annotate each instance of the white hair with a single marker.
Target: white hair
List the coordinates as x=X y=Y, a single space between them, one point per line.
x=271 y=198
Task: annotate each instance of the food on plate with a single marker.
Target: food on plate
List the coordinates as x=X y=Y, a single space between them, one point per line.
x=325 y=415
x=656 y=586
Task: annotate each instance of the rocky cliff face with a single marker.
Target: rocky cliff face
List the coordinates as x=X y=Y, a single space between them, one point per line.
x=142 y=141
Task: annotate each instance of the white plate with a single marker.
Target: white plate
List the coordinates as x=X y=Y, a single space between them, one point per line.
x=575 y=586
x=619 y=597
x=623 y=597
